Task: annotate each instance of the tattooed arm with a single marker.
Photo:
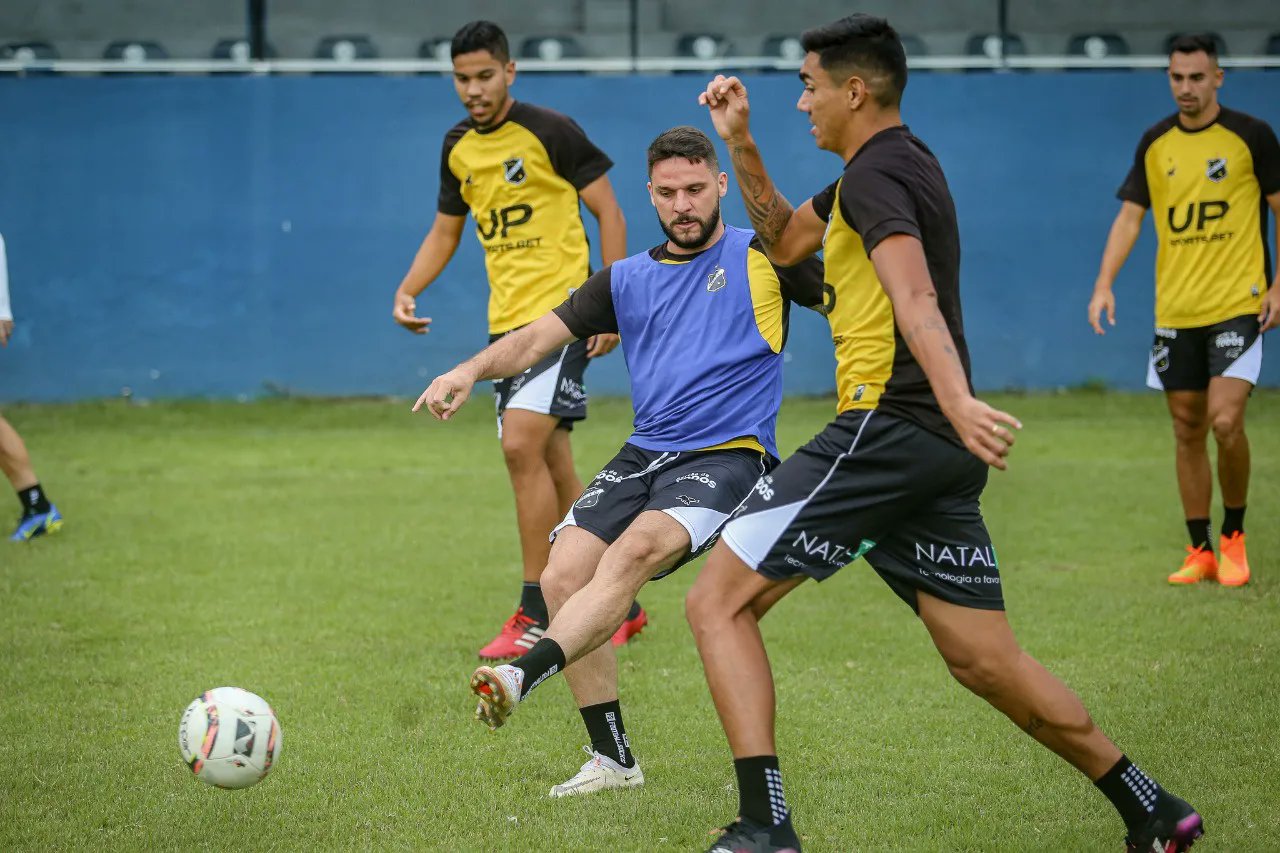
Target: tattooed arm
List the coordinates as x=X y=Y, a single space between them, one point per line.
x=789 y=235
x=901 y=267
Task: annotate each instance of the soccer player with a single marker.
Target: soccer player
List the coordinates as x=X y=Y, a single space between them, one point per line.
x=703 y=319
x=521 y=171
x=1208 y=174
x=39 y=516
x=897 y=477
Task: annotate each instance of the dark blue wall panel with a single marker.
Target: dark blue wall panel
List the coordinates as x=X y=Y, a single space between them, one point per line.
x=241 y=236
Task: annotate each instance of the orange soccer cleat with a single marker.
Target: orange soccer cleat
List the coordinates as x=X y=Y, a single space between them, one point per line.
x=1233 y=568
x=1199 y=566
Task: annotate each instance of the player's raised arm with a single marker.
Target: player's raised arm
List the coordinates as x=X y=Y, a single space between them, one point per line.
x=904 y=273
x=788 y=234
x=434 y=253
x=1124 y=233
x=509 y=355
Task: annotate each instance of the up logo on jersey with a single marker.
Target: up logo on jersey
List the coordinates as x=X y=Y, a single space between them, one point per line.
x=513 y=171
x=1216 y=170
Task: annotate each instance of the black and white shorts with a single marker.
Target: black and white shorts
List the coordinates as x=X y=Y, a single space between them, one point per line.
x=875 y=486
x=700 y=489
x=1185 y=359
x=553 y=386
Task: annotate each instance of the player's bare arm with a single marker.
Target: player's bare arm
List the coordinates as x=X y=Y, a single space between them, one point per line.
x=599 y=198
x=901 y=267
x=507 y=356
x=789 y=235
x=6 y=329
x=1124 y=233
x=434 y=253
x=1269 y=316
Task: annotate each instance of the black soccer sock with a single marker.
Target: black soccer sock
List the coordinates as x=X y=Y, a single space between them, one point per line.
x=1201 y=533
x=542 y=661
x=1233 y=520
x=532 y=602
x=760 y=798
x=33 y=501
x=635 y=610
x=608 y=734
x=1131 y=791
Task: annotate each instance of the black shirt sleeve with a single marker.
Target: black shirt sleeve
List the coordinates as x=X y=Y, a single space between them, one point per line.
x=450 y=201
x=824 y=202
x=1135 y=187
x=877 y=204
x=1266 y=157
x=589 y=309
x=574 y=157
x=801 y=283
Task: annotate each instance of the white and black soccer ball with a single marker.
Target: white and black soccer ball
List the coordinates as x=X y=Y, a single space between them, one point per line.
x=229 y=737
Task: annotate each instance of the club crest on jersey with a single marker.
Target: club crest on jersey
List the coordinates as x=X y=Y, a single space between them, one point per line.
x=1217 y=169
x=715 y=280
x=513 y=170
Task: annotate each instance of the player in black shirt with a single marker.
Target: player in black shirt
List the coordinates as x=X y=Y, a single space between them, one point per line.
x=898 y=475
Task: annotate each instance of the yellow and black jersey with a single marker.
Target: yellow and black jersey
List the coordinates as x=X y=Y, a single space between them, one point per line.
x=1207 y=191
x=892 y=185
x=520 y=181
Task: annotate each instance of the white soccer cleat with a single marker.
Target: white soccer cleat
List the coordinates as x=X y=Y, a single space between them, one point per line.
x=599 y=774
x=498 y=688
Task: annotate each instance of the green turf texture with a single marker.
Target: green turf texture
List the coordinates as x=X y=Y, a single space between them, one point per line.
x=346 y=560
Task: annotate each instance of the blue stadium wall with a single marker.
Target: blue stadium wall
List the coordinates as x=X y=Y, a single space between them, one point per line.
x=235 y=237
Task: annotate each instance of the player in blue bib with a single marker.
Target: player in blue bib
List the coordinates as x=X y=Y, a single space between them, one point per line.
x=703 y=320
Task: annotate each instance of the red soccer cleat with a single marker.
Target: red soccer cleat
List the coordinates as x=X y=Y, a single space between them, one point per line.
x=516 y=637
x=629 y=628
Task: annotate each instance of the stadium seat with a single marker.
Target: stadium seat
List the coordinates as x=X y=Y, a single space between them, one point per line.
x=437 y=48
x=913 y=45
x=551 y=48
x=783 y=47
x=1097 y=45
x=1273 y=45
x=988 y=45
x=28 y=51
x=1218 y=41
x=705 y=46
x=346 y=48
x=237 y=49
x=135 y=52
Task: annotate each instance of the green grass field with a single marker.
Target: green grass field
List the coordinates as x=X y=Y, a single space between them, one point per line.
x=345 y=560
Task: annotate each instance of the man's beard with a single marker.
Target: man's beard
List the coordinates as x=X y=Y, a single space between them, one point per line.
x=699 y=238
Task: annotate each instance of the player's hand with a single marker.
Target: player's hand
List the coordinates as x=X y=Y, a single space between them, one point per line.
x=987 y=432
x=403 y=314
x=598 y=345
x=726 y=99
x=446 y=393
x=6 y=330
x=1269 y=316
x=1103 y=300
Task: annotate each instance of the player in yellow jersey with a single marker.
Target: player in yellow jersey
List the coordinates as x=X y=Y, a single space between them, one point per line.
x=1208 y=174
x=522 y=172
x=897 y=477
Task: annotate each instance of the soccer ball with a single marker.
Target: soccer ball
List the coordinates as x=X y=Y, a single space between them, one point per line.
x=229 y=737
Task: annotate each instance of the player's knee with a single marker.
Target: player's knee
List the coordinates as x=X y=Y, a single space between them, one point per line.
x=646 y=553
x=1189 y=429
x=522 y=453
x=559 y=581
x=984 y=672
x=1227 y=426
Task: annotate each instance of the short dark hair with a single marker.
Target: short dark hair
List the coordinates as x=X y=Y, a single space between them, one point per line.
x=684 y=141
x=864 y=45
x=480 y=35
x=1194 y=43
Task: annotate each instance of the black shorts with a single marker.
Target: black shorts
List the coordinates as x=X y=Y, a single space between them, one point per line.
x=700 y=489
x=872 y=485
x=553 y=386
x=1185 y=359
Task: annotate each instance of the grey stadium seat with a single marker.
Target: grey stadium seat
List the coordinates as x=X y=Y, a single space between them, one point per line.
x=135 y=51
x=29 y=51
x=237 y=49
x=789 y=47
x=1273 y=45
x=346 y=48
x=703 y=45
x=437 y=48
x=988 y=45
x=1097 y=45
x=551 y=48
x=1218 y=41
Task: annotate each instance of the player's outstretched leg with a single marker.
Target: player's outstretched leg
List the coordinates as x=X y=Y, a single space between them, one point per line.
x=39 y=515
x=983 y=655
x=724 y=607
